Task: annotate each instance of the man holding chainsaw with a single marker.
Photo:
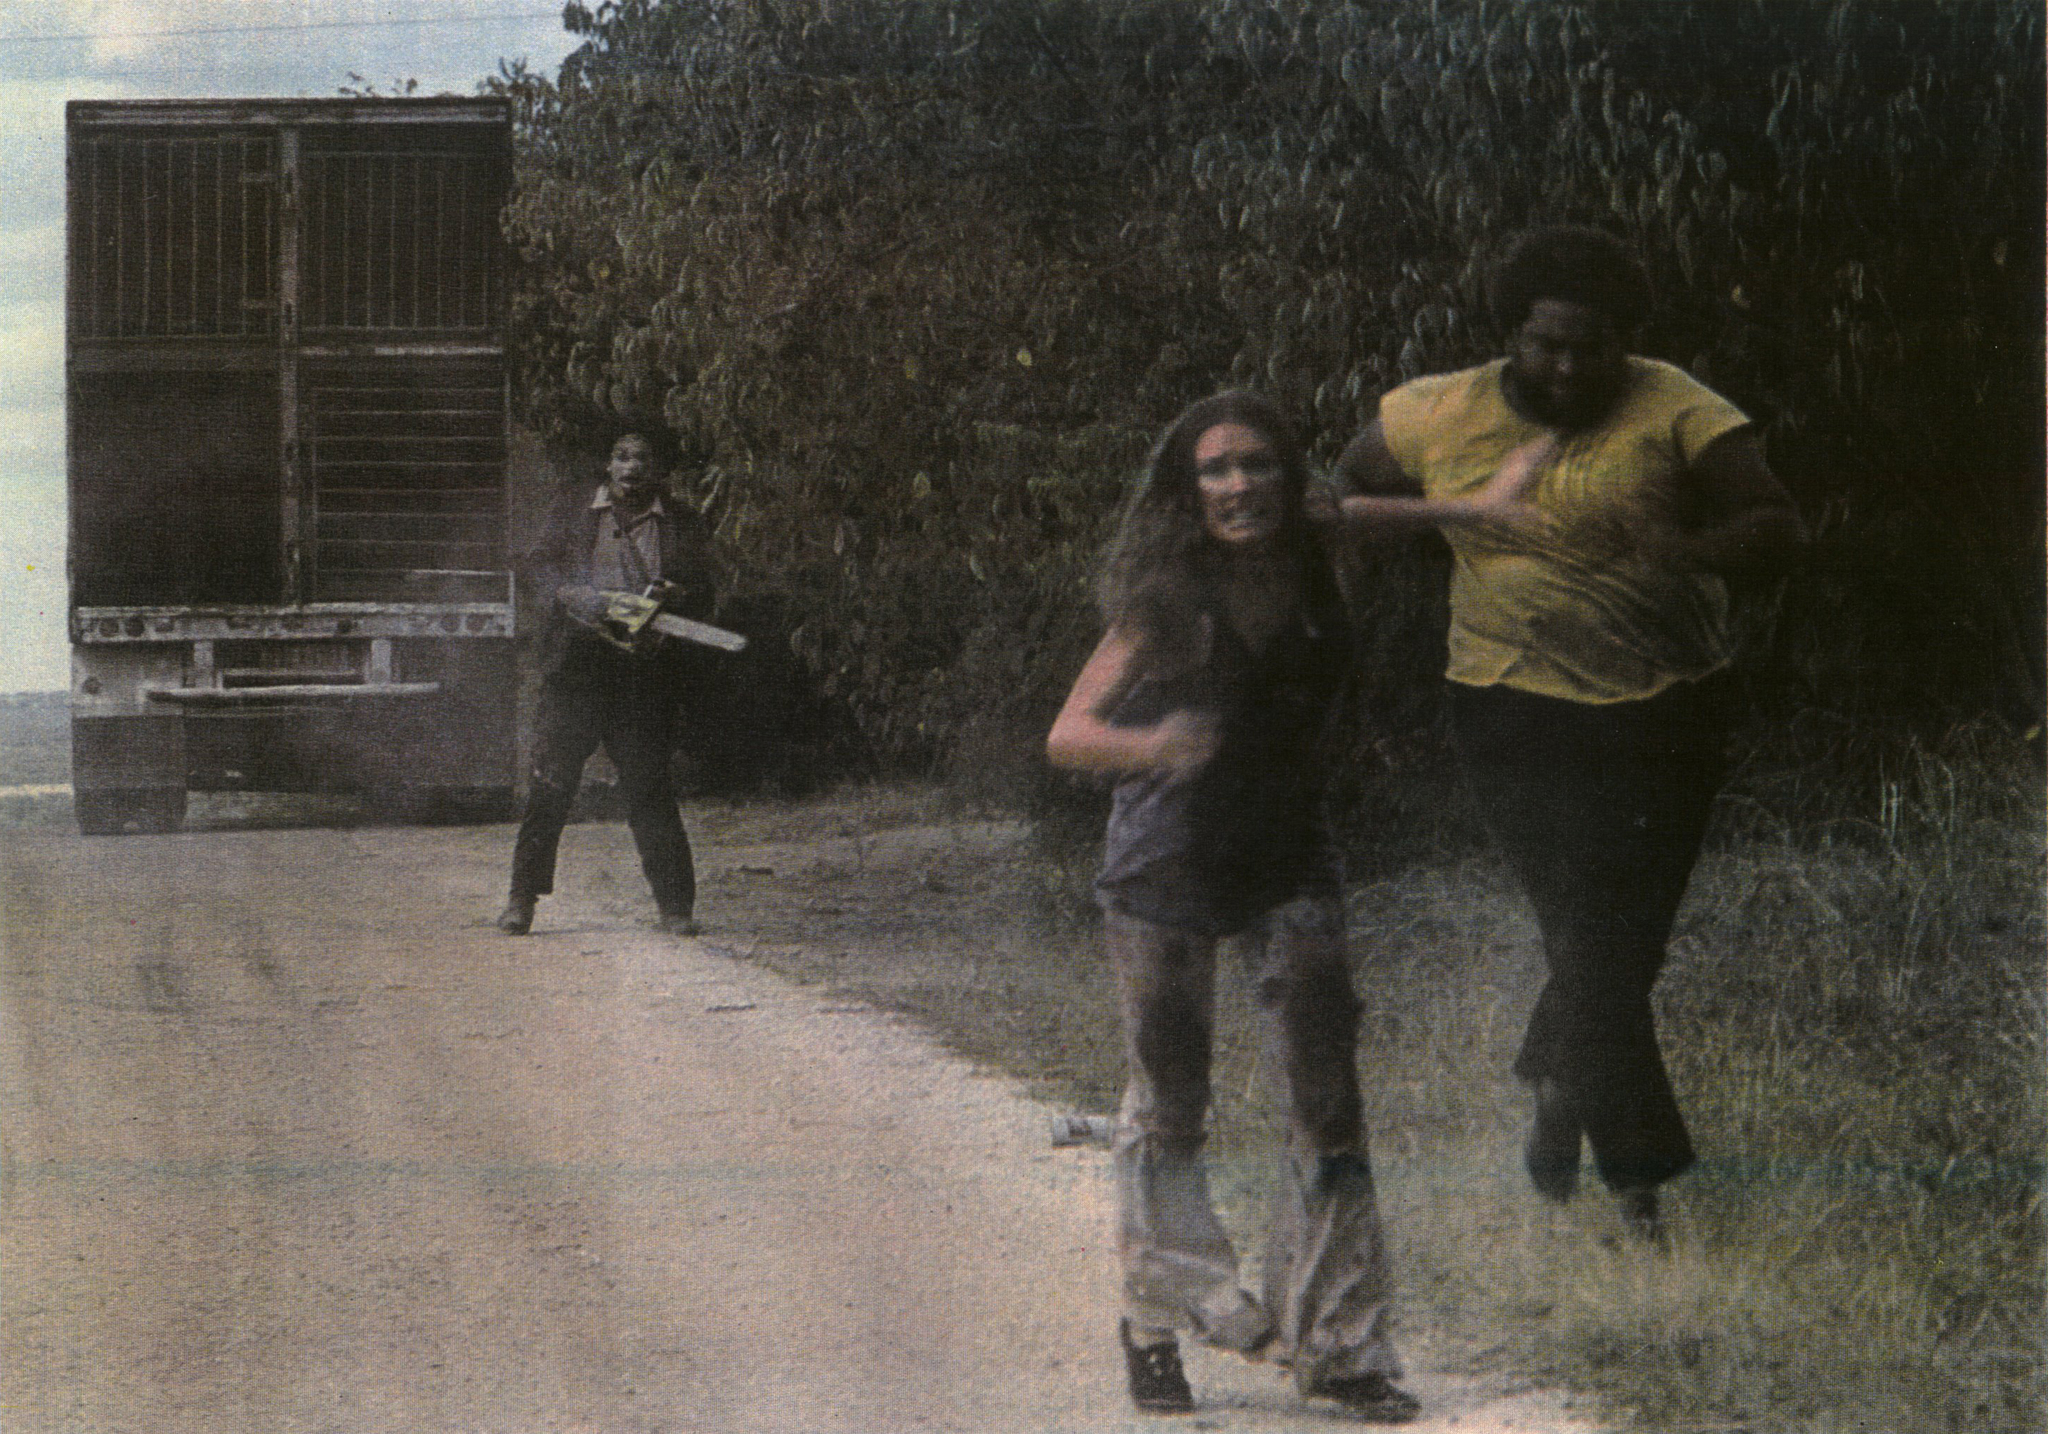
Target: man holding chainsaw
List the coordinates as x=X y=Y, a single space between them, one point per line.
x=622 y=571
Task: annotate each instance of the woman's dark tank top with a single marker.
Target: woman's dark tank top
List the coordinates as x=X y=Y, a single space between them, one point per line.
x=1212 y=851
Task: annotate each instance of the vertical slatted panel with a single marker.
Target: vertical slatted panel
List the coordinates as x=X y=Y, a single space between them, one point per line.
x=418 y=238
x=461 y=240
x=117 y=321
x=242 y=222
x=438 y=204
x=173 y=237
x=403 y=233
x=188 y=251
x=220 y=272
x=146 y=252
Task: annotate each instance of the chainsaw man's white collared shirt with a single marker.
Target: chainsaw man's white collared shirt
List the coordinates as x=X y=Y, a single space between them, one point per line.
x=611 y=566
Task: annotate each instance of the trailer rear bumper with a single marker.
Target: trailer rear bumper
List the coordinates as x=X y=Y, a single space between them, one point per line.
x=404 y=720
x=286 y=692
x=102 y=625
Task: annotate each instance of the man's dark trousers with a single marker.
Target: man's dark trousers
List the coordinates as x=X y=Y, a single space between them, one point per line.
x=1600 y=809
x=628 y=705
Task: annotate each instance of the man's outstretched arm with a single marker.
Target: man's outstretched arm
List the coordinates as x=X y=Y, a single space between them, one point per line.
x=1374 y=493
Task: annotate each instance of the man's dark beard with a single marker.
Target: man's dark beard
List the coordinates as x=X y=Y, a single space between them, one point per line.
x=1593 y=403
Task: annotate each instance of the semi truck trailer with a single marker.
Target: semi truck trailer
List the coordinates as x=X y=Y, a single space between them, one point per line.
x=287 y=454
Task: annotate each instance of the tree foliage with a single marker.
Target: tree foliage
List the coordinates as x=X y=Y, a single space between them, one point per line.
x=916 y=278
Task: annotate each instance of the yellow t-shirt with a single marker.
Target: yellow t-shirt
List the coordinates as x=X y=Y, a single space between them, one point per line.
x=1564 y=609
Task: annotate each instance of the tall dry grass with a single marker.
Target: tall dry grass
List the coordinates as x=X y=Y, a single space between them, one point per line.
x=1854 y=1015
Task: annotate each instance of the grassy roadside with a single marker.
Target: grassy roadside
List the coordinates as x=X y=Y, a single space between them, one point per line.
x=1855 y=1018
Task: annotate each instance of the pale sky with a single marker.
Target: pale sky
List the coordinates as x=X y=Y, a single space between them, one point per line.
x=52 y=51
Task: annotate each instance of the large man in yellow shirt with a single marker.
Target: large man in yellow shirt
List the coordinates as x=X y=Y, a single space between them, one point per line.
x=1598 y=506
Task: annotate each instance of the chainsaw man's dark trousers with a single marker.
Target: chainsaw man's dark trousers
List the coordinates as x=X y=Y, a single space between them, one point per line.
x=1600 y=810
x=635 y=721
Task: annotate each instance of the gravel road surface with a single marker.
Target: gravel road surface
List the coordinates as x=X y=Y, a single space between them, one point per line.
x=292 y=1140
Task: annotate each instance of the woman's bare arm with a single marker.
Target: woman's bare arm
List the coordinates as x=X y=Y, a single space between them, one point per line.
x=1082 y=741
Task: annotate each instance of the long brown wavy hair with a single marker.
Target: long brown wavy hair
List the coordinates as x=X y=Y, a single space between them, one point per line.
x=1164 y=572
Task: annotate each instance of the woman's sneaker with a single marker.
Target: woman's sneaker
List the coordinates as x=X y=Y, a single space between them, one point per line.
x=1373 y=1398
x=1158 y=1384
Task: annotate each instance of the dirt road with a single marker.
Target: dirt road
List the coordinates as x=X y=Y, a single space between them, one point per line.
x=294 y=1141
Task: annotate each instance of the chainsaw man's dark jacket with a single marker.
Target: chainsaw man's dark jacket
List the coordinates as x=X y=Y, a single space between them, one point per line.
x=572 y=655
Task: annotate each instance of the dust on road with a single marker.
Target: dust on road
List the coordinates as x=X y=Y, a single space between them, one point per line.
x=291 y=1140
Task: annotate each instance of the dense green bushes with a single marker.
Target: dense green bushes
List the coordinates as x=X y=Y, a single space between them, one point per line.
x=918 y=278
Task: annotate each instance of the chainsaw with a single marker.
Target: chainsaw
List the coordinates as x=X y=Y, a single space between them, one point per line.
x=635 y=622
